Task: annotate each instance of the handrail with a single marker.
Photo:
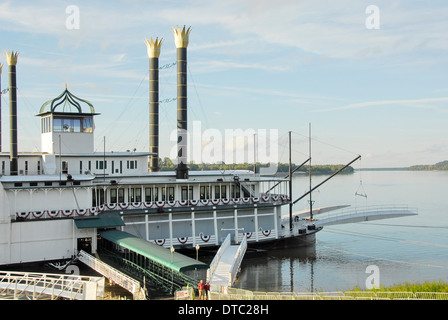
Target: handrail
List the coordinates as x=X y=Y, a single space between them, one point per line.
x=225 y=244
x=373 y=208
x=55 y=285
x=238 y=259
x=124 y=281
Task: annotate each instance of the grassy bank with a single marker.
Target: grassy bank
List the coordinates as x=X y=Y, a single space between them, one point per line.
x=427 y=286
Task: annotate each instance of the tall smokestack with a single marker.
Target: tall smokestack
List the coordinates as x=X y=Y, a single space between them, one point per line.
x=11 y=58
x=181 y=41
x=1 y=66
x=153 y=48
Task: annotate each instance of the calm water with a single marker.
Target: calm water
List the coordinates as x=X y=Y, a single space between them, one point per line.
x=413 y=249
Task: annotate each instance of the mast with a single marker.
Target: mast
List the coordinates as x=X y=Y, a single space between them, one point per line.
x=1 y=66
x=311 y=200
x=290 y=184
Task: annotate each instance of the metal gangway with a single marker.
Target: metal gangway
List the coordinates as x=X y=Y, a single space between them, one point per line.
x=226 y=263
x=49 y=286
x=116 y=276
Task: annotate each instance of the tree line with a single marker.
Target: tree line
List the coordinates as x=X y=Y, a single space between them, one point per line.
x=431 y=167
x=166 y=164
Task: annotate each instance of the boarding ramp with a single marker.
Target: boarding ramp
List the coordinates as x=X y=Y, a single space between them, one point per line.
x=116 y=276
x=369 y=213
x=148 y=262
x=226 y=263
x=49 y=286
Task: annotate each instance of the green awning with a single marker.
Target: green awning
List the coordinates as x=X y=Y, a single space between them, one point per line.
x=99 y=221
x=176 y=261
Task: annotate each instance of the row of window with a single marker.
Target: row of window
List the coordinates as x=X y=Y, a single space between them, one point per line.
x=99 y=165
x=23 y=171
x=67 y=125
x=150 y=194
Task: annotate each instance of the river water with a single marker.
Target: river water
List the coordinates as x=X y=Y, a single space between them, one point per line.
x=406 y=249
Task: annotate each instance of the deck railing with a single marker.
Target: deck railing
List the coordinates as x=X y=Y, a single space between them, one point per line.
x=66 y=213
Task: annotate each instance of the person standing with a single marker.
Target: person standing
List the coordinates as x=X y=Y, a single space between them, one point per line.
x=201 y=289
x=207 y=289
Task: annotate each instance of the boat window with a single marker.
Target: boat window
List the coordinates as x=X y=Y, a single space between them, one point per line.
x=113 y=195
x=87 y=125
x=170 y=193
x=220 y=192
x=204 y=192
x=187 y=193
x=120 y=195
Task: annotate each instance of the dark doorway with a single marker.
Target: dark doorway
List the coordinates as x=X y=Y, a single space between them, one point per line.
x=85 y=244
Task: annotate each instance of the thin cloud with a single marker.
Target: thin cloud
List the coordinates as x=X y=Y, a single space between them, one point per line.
x=426 y=103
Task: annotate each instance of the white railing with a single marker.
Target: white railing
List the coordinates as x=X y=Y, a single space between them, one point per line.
x=225 y=244
x=366 y=213
x=65 y=213
x=237 y=262
x=225 y=293
x=124 y=281
x=35 y=286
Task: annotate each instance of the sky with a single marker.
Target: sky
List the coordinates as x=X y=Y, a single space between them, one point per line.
x=368 y=77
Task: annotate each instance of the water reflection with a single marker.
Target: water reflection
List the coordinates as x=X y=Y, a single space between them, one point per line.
x=276 y=270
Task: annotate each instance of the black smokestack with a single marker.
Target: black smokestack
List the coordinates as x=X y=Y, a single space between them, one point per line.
x=153 y=48
x=11 y=58
x=1 y=66
x=181 y=41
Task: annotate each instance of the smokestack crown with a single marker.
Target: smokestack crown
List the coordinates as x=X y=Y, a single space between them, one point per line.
x=181 y=36
x=153 y=47
x=11 y=57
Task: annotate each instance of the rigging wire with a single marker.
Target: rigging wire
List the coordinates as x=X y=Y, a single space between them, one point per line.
x=125 y=109
x=326 y=143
